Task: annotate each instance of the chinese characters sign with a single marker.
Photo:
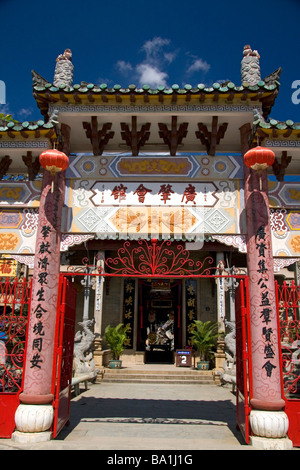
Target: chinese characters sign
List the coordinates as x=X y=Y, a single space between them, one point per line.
x=8 y=267
x=265 y=305
x=128 y=310
x=40 y=310
x=43 y=308
x=190 y=307
x=154 y=194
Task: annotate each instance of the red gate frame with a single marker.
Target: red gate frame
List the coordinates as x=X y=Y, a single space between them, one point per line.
x=288 y=299
x=244 y=386
x=63 y=354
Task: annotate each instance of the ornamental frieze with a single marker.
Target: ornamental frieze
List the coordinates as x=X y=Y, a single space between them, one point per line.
x=284 y=194
x=185 y=165
x=20 y=193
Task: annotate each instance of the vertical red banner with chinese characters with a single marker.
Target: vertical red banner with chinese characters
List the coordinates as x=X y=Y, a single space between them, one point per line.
x=263 y=316
x=41 y=327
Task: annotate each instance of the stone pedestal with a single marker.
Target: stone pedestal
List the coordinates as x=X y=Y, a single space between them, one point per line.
x=270 y=430
x=33 y=423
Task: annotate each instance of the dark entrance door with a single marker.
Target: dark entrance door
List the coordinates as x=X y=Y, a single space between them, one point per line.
x=159 y=332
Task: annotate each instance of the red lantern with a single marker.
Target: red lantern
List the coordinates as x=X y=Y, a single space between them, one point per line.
x=54 y=161
x=259 y=158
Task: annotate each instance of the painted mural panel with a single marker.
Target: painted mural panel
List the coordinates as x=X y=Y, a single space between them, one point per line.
x=186 y=165
x=18 y=230
x=285 y=227
x=20 y=193
x=284 y=194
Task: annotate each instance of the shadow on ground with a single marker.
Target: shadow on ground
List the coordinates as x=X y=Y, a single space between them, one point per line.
x=152 y=411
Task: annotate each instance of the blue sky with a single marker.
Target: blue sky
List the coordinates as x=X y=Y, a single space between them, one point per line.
x=147 y=42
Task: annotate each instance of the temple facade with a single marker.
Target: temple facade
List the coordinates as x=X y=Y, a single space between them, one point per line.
x=161 y=164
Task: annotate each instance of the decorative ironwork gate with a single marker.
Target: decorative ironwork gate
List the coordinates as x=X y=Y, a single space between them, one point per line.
x=14 y=307
x=288 y=307
x=63 y=353
x=243 y=358
x=167 y=260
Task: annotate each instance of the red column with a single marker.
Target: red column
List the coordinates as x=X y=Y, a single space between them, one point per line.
x=41 y=327
x=266 y=368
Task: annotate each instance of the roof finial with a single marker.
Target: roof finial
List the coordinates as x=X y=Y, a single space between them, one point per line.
x=64 y=68
x=250 y=68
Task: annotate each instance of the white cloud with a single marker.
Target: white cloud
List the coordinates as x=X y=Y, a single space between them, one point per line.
x=4 y=109
x=151 y=75
x=25 y=112
x=152 y=47
x=170 y=56
x=123 y=66
x=197 y=65
x=150 y=71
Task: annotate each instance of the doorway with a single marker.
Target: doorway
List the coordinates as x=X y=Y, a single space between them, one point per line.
x=159 y=332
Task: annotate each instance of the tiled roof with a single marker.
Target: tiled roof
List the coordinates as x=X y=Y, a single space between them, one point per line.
x=221 y=88
x=25 y=126
x=46 y=94
x=273 y=129
x=279 y=125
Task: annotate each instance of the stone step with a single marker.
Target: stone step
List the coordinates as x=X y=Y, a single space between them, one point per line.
x=181 y=372
x=158 y=381
x=158 y=376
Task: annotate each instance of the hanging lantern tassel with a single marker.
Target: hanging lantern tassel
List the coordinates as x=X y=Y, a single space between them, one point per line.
x=54 y=161
x=259 y=159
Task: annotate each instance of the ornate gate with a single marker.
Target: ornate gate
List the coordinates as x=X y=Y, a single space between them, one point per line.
x=14 y=307
x=243 y=358
x=167 y=260
x=288 y=307
x=141 y=259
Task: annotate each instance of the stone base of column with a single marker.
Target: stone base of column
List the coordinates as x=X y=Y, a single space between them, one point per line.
x=270 y=430
x=263 y=443
x=33 y=423
x=31 y=437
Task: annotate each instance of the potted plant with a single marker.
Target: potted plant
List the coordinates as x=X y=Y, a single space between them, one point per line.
x=115 y=336
x=204 y=338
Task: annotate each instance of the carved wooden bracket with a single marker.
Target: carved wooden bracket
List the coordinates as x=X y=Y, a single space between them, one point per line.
x=135 y=139
x=98 y=138
x=279 y=168
x=4 y=165
x=33 y=166
x=174 y=136
x=65 y=131
x=211 y=139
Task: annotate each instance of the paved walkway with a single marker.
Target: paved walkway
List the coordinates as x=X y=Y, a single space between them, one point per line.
x=110 y=416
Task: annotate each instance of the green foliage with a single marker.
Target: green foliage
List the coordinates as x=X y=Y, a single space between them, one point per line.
x=115 y=336
x=204 y=338
x=6 y=117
